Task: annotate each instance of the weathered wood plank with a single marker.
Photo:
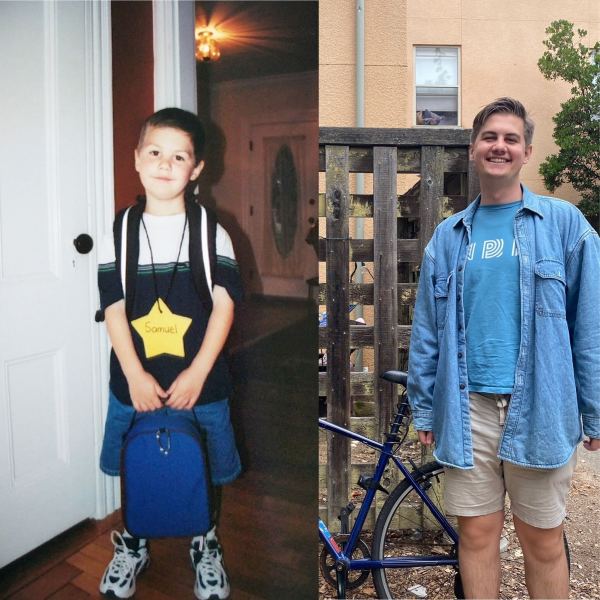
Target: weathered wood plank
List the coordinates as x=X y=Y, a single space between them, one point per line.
x=363 y=406
x=371 y=136
x=362 y=335
x=338 y=347
x=361 y=384
x=385 y=301
x=363 y=425
x=473 y=182
x=361 y=205
x=409 y=160
x=362 y=250
x=362 y=293
x=432 y=189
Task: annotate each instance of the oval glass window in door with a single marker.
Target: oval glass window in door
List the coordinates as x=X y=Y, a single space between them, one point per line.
x=284 y=201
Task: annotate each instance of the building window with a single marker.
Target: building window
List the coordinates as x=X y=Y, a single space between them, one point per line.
x=436 y=85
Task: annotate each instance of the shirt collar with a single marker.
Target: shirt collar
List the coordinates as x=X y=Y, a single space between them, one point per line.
x=531 y=202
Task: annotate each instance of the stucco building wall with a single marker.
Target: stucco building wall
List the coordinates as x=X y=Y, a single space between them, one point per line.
x=500 y=44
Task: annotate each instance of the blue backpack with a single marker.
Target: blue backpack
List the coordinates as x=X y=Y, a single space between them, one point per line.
x=164 y=477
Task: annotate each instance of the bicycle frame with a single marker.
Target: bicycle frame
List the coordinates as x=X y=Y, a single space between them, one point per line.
x=344 y=556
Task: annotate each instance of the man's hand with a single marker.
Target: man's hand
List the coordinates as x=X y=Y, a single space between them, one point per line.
x=146 y=394
x=591 y=444
x=426 y=437
x=186 y=389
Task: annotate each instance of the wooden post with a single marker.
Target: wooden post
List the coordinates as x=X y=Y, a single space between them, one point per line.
x=432 y=189
x=430 y=209
x=472 y=183
x=338 y=348
x=385 y=250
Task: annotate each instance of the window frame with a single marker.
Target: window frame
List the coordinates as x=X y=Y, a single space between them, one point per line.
x=458 y=85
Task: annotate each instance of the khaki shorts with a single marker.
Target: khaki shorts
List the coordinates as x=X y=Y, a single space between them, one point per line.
x=537 y=496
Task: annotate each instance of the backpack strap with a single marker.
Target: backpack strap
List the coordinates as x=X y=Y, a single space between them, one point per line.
x=202 y=250
x=117 y=228
x=126 y=233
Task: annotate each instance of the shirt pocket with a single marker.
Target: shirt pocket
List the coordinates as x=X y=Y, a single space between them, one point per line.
x=440 y=292
x=550 y=288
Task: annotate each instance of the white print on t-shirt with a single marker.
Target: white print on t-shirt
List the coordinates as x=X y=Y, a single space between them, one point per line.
x=491 y=249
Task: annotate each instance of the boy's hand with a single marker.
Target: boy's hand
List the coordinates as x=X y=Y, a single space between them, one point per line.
x=185 y=390
x=592 y=444
x=146 y=394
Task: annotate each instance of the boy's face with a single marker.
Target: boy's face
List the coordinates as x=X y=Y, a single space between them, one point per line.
x=499 y=151
x=166 y=164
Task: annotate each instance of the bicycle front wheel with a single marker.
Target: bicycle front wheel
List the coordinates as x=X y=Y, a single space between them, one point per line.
x=405 y=527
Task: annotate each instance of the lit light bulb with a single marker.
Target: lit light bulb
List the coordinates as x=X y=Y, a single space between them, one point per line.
x=206 y=46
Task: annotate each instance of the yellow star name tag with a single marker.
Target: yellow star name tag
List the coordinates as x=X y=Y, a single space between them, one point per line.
x=162 y=332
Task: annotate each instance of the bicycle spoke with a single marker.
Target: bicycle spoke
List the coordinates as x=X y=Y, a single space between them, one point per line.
x=406 y=528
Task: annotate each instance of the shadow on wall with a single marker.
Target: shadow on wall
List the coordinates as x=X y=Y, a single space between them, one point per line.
x=214 y=169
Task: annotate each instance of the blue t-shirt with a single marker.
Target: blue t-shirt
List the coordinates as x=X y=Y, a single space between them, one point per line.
x=492 y=300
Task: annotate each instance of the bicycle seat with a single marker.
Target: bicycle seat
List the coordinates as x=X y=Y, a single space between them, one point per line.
x=395 y=377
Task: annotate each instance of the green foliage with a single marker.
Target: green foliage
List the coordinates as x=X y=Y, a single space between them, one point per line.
x=577 y=125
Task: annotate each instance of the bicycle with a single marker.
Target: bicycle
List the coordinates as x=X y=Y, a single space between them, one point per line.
x=411 y=532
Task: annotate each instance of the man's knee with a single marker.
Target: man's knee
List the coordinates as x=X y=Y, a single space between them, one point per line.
x=479 y=533
x=541 y=545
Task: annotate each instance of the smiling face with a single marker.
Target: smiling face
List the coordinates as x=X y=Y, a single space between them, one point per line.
x=166 y=164
x=499 y=150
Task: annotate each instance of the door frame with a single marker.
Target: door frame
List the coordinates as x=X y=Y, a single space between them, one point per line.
x=174 y=25
x=101 y=211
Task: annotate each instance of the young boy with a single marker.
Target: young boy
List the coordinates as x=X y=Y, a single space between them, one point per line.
x=504 y=365
x=189 y=373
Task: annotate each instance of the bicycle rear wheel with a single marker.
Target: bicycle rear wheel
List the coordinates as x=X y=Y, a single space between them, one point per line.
x=406 y=527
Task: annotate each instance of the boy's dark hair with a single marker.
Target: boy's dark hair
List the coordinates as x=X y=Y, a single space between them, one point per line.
x=177 y=118
x=506 y=106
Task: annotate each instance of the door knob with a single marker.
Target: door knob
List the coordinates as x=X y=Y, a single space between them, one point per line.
x=83 y=243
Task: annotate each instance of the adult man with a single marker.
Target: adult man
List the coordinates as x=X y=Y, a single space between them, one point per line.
x=504 y=363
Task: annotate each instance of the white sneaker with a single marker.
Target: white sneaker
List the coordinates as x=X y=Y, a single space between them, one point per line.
x=130 y=559
x=207 y=561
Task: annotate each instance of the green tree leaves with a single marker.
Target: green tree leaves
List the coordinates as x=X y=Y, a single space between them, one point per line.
x=577 y=125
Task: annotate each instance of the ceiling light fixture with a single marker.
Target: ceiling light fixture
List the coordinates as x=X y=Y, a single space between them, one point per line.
x=206 y=46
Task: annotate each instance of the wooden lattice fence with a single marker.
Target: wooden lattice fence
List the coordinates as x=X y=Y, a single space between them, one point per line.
x=447 y=183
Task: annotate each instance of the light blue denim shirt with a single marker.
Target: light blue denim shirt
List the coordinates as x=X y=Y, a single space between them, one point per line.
x=557 y=376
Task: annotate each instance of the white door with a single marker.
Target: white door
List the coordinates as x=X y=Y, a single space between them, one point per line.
x=47 y=470
x=283 y=203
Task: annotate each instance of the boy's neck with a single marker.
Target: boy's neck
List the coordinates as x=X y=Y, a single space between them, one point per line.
x=503 y=194
x=164 y=208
